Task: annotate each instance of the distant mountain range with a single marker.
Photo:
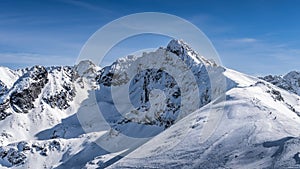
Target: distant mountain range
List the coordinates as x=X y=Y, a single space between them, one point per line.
x=289 y=82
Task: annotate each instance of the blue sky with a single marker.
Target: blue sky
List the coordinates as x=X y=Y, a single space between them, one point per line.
x=255 y=37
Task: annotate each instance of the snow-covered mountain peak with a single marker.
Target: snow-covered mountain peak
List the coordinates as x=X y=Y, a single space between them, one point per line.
x=177 y=46
x=292 y=75
x=183 y=50
x=86 y=68
x=141 y=75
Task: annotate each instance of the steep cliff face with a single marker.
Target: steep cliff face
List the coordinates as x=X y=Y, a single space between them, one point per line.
x=61 y=91
x=27 y=89
x=147 y=79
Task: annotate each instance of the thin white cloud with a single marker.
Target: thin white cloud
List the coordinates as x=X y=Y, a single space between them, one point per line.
x=243 y=40
x=255 y=56
x=210 y=24
x=30 y=59
x=86 y=5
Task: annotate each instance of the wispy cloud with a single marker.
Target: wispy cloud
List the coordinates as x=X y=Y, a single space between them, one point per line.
x=243 y=40
x=30 y=59
x=210 y=24
x=255 y=56
x=87 y=5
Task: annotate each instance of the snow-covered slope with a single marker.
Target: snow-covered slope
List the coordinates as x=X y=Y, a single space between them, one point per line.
x=38 y=112
x=8 y=77
x=49 y=117
x=258 y=130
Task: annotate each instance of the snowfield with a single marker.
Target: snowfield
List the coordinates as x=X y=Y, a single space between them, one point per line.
x=256 y=131
x=50 y=117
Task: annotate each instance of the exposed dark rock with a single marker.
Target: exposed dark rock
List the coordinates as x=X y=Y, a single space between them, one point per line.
x=3 y=110
x=13 y=156
x=3 y=88
x=297 y=158
x=63 y=97
x=32 y=83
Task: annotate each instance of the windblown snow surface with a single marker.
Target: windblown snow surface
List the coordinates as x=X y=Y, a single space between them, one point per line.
x=41 y=108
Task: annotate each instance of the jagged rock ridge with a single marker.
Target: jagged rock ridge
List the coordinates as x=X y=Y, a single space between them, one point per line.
x=289 y=82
